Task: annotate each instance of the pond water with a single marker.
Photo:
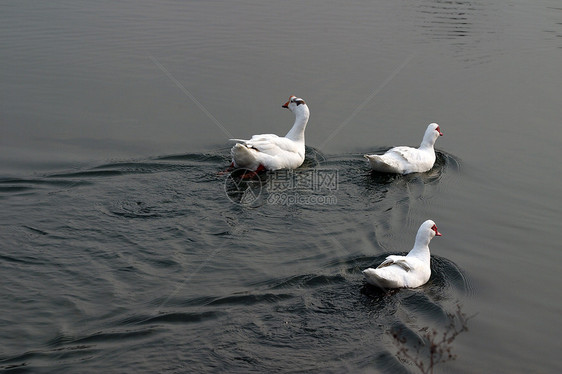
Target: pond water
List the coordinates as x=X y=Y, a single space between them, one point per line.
x=126 y=248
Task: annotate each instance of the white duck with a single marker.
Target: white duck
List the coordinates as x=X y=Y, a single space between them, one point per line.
x=408 y=271
x=271 y=152
x=406 y=160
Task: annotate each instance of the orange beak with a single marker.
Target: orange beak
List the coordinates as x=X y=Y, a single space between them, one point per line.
x=286 y=105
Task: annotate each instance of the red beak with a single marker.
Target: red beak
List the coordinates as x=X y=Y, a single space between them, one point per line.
x=439 y=131
x=437 y=233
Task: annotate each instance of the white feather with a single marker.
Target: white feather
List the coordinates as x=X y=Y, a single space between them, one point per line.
x=271 y=151
x=410 y=271
x=406 y=160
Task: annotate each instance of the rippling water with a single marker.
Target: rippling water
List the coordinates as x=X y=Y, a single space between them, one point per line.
x=111 y=260
x=126 y=247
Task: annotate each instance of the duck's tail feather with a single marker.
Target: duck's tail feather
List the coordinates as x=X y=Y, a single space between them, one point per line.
x=243 y=141
x=377 y=278
x=381 y=164
x=242 y=156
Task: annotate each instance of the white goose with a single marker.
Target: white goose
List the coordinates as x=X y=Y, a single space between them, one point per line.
x=271 y=152
x=408 y=271
x=406 y=160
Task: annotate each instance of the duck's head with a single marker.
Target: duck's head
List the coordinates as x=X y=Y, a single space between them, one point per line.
x=426 y=232
x=430 y=228
x=295 y=104
x=435 y=127
x=432 y=132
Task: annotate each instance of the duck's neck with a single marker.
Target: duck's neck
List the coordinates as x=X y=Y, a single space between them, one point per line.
x=427 y=143
x=428 y=140
x=421 y=246
x=301 y=119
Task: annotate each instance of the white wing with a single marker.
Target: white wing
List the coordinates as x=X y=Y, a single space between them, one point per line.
x=396 y=260
x=407 y=154
x=270 y=144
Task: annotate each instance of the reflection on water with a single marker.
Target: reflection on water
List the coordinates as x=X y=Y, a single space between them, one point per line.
x=425 y=338
x=430 y=347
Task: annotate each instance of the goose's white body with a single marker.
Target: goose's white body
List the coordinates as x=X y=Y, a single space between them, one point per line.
x=272 y=152
x=410 y=271
x=406 y=160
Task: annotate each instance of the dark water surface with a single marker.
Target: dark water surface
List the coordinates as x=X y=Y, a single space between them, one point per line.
x=125 y=248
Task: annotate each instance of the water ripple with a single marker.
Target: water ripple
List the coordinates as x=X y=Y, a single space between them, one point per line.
x=320 y=299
